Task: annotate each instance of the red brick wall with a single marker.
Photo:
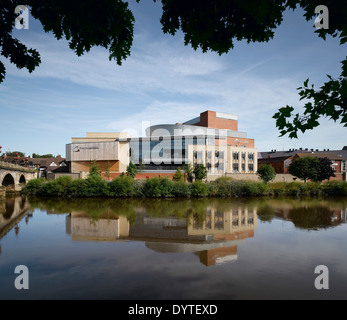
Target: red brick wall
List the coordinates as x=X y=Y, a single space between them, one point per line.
x=141 y=175
x=209 y=119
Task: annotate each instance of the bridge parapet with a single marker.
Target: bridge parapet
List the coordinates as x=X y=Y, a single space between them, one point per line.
x=16 y=167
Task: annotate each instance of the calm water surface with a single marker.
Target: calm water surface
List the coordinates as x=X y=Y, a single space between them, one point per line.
x=173 y=249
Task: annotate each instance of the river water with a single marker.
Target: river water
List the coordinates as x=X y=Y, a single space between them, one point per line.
x=173 y=249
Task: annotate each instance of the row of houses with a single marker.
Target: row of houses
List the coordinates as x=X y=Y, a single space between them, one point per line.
x=44 y=166
x=281 y=160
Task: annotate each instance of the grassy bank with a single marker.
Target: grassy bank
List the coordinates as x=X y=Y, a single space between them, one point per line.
x=125 y=186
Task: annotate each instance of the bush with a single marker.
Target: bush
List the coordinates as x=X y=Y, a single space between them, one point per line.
x=199 y=189
x=200 y=172
x=266 y=172
x=181 y=189
x=158 y=187
x=33 y=186
x=335 y=188
x=178 y=176
x=122 y=186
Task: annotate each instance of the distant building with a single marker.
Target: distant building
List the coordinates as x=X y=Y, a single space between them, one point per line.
x=43 y=165
x=212 y=139
x=281 y=160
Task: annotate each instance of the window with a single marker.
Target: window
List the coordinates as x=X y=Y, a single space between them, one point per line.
x=236 y=156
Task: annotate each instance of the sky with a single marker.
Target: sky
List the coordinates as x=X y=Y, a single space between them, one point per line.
x=163 y=81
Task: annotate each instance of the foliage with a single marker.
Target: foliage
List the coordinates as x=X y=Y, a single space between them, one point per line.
x=188 y=168
x=325 y=169
x=125 y=186
x=181 y=189
x=122 y=186
x=199 y=189
x=158 y=187
x=15 y=154
x=107 y=170
x=178 y=176
x=312 y=168
x=131 y=170
x=33 y=186
x=200 y=172
x=94 y=169
x=329 y=101
x=305 y=168
x=266 y=172
x=111 y=20
x=48 y=155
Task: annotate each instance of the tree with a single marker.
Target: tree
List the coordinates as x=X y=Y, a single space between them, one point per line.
x=131 y=170
x=107 y=170
x=305 y=168
x=178 y=176
x=94 y=170
x=15 y=154
x=84 y=23
x=209 y=25
x=189 y=172
x=325 y=170
x=266 y=172
x=48 y=155
x=200 y=171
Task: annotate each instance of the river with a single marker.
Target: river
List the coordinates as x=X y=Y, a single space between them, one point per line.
x=134 y=249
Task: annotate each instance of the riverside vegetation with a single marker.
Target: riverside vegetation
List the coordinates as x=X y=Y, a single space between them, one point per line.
x=127 y=186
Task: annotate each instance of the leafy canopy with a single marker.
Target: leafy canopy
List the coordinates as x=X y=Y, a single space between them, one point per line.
x=206 y=24
x=266 y=172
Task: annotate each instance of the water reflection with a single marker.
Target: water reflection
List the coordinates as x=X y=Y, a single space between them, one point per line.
x=305 y=214
x=204 y=228
x=12 y=210
x=210 y=228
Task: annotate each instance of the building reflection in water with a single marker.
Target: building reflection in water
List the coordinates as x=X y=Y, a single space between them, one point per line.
x=12 y=210
x=213 y=236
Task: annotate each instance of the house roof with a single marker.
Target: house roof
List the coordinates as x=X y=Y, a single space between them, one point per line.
x=276 y=159
x=313 y=152
x=330 y=156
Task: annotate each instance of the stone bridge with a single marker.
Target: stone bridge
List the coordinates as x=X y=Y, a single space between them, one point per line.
x=11 y=212
x=14 y=177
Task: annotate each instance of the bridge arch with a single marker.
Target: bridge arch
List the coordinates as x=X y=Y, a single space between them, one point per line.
x=22 y=179
x=8 y=180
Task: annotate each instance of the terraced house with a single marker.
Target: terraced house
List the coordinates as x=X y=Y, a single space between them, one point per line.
x=211 y=139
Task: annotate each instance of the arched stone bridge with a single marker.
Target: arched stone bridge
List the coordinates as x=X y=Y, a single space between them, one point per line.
x=14 y=177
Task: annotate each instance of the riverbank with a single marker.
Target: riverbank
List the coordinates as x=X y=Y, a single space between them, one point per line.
x=125 y=186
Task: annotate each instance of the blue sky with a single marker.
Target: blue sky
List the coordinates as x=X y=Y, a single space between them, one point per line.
x=164 y=81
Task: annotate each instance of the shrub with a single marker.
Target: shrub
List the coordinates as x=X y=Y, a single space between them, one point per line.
x=122 y=186
x=158 y=187
x=266 y=172
x=200 y=172
x=178 y=176
x=181 y=189
x=33 y=186
x=199 y=189
x=335 y=188
x=131 y=170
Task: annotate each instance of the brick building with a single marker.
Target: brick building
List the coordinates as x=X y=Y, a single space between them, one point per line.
x=211 y=139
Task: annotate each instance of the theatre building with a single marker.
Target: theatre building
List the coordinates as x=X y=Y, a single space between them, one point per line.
x=212 y=139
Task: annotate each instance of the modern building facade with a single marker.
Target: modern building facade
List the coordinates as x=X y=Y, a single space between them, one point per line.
x=212 y=139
